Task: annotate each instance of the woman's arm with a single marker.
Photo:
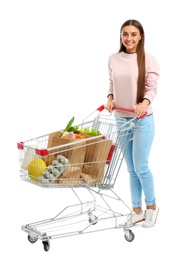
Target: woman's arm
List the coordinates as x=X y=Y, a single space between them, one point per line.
x=152 y=76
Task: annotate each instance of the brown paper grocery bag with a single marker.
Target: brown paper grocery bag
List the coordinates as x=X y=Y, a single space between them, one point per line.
x=75 y=151
x=97 y=151
x=70 y=176
x=71 y=172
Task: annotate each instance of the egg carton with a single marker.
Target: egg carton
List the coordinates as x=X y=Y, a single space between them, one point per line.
x=54 y=171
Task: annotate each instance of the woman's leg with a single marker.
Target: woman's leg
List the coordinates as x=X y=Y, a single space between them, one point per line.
x=142 y=142
x=135 y=185
x=141 y=178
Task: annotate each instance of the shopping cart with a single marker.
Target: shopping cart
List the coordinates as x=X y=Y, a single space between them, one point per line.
x=91 y=166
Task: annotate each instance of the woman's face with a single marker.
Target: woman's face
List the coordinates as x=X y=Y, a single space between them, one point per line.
x=130 y=37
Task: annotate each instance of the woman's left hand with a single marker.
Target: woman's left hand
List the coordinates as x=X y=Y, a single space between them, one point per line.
x=141 y=108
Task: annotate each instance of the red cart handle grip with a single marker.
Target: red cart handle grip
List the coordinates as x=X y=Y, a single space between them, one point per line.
x=101 y=108
x=128 y=110
x=123 y=109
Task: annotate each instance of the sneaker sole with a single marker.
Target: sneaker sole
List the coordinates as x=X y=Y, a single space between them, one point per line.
x=156 y=216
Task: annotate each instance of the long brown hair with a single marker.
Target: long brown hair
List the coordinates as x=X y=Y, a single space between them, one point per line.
x=140 y=58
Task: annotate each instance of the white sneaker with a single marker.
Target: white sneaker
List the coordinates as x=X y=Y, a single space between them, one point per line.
x=150 y=217
x=134 y=218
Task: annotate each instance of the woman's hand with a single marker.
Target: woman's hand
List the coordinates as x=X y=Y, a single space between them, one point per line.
x=141 y=108
x=109 y=105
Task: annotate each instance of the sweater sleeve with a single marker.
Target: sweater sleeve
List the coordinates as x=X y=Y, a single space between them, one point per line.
x=152 y=76
x=110 y=90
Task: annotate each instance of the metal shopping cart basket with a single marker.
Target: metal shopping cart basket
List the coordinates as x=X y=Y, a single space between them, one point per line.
x=89 y=165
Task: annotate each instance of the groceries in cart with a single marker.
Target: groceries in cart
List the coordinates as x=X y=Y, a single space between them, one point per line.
x=68 y=157
x=90 y=156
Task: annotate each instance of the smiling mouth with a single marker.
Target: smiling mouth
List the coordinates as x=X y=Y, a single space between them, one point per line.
x=129 y=43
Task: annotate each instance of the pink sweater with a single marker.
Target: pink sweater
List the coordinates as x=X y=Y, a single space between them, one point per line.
x=123 y=74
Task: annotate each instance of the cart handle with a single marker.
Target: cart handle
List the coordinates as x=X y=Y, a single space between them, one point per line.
x=101 y=108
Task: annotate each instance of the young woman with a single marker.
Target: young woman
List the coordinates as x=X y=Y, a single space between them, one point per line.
x=133 y=76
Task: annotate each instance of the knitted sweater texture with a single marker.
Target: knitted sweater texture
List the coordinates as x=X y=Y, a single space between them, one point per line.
x=123 y=75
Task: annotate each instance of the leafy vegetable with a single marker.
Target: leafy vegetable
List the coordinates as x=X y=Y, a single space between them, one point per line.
x=92 y=132
x=67 y=128
x=75 y=129
x=70 y=128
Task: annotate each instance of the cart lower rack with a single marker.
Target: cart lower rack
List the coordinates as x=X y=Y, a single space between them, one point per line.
x=82 y=218
x=88 y=165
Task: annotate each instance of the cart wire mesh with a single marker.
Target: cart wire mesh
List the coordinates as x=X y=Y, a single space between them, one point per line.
x=94 y=161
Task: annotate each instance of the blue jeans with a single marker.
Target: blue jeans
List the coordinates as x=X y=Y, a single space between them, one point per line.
x=136 y=158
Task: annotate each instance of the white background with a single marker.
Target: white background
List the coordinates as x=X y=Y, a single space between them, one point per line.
x=53 y=58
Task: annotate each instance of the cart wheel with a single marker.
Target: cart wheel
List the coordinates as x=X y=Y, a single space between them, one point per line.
x=46 y=245
x=32 y=239
x=93 y=220
x=130 y=237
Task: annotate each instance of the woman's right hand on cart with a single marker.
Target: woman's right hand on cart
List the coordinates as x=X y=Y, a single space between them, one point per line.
x=110 y=104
